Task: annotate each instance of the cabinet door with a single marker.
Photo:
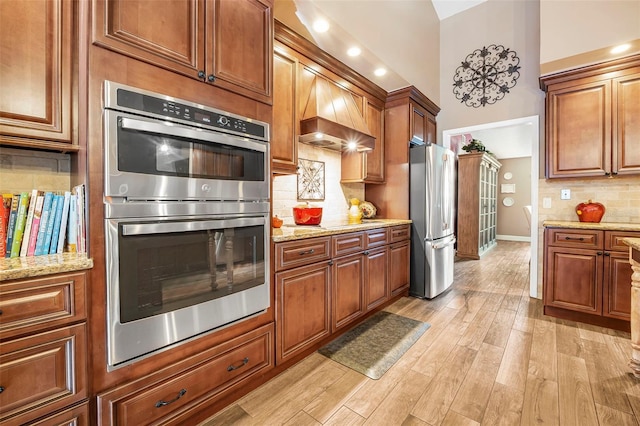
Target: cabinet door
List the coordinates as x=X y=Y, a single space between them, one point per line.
x=348 y=290
x=617 y=286
x=170 y=36
x=376 y=289
x=36 y=73
x=240 y=46
x=367 y=166
x=302 y=308
x=626 y=125
x=418 y=124
x=286 y=127
x=573 y=279
x=398 y=267
x=579 y=130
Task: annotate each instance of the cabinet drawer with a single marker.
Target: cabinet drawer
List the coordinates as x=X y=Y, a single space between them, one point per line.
x=28 y=305
x=344 y=244
x=400 y=233
x=377 y=237
x=42 y=373
x=578 y=238
x=613 y=240
x=76 y=416
x=148 y=401
x=301 y=252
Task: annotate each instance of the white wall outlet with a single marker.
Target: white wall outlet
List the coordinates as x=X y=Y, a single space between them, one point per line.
x=546 y=203
x=565 y=194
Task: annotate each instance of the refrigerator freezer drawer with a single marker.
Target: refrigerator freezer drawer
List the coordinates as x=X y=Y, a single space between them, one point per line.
x=432 y=273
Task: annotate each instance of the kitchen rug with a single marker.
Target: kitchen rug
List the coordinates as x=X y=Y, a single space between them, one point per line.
x=374 y=346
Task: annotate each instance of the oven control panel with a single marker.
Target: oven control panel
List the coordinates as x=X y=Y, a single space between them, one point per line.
x=148 y=103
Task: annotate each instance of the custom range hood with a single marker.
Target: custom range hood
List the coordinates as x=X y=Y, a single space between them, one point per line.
x=332 y=120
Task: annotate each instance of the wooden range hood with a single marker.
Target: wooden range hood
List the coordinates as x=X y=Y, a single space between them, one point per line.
x=331 y=119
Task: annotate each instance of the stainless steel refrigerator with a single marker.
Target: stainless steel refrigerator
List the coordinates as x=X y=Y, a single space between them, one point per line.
x=432 y=211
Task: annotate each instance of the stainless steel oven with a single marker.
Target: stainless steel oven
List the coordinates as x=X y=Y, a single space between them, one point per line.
x=186 y=221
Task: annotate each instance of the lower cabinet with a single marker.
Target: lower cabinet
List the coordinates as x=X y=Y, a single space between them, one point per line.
x=334 y=289
x=588 y=276
x=43 y=347
x=172 y=395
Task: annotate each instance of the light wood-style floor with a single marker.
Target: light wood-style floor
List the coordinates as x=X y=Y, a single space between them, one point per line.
x=489 y=358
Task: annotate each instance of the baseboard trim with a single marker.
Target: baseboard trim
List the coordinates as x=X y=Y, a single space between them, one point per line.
x=513 y=238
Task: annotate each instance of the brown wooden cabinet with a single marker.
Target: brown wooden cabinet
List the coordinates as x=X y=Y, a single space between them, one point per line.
x=320 y=292
x=409 y=116
x=174 y=394
x=587 y=275
x=477 y=204
x=225 y=43
x=591 y=127
x=37 y=107
x=286 y=123
x=43 y=347
x=367 y=166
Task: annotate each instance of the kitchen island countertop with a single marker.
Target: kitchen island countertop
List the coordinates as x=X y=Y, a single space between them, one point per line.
x=605 y=226
x=298 y=232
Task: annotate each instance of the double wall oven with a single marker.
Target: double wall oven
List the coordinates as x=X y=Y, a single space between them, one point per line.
x=186 y=212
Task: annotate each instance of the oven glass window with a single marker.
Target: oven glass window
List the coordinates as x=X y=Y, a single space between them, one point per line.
x=163 y=272
x=164 y=155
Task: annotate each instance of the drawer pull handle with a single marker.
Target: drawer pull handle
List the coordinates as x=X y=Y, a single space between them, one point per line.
x=234 y=367
x=162 y=403
x=575 y=239
x=310 y=251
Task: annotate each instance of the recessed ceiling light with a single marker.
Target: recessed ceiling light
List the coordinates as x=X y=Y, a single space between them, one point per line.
x=354 y=51
x=321 y=25
x=380 y=72
x=621 y=48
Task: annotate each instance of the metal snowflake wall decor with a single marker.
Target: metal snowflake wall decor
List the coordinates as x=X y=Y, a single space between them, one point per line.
x=486 y=75
x=310 y=180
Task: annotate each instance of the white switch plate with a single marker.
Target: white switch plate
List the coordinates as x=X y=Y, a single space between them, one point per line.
x=565 y=194
x=546 y=203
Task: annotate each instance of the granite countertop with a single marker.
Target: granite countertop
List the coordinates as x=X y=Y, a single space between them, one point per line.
x=299 y=232
x=605 y=226
x=35 y=266
x=634 y=243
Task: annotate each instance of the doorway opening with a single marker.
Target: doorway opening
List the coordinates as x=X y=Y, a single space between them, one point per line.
x=527 y=141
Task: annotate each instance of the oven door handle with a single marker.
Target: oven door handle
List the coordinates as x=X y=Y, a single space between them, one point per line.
x=186 y=226
x=185 y=132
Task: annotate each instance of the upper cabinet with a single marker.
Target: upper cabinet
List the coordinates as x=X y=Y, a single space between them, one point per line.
x=36 y=100
x=304 y=75
x=592 y=126
x=224 y=43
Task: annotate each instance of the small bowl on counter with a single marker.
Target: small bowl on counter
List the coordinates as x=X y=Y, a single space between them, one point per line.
x=305 y=214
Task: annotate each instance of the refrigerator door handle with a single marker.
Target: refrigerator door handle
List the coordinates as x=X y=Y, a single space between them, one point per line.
x=442 y=244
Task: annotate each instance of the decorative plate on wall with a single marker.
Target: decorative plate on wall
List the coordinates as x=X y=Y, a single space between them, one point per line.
x=310 y=180
x=486 y=75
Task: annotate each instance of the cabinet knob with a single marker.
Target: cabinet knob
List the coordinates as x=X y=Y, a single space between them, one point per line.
x=606 y=253
x=201 y=74
x=330 y=262
x=1 y=389
x=211 y=78
x=599 y=253
x=366 y=252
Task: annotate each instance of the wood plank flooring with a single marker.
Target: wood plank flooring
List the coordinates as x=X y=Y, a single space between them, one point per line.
x=489 y=358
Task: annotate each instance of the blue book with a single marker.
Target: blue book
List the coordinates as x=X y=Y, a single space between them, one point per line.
x=55 y=227
x=63 y=222
x=44 y=220
x=48 y=233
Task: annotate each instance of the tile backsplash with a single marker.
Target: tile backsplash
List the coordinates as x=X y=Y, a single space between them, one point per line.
x=24 y=170
x=335 y=204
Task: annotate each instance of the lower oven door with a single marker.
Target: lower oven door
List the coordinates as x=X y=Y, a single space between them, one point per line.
x=170 y=280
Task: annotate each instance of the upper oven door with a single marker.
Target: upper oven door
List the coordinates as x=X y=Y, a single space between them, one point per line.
x=150 y=159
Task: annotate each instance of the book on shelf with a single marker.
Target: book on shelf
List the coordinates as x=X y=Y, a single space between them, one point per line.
x=5 y=210
x=29 y=224
x=11 y=224
x=44 y=220
x=72 y=225
x=62 y=225
x=21 y=221
x=53 y=216
x=35 y=225
x=81 y=220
